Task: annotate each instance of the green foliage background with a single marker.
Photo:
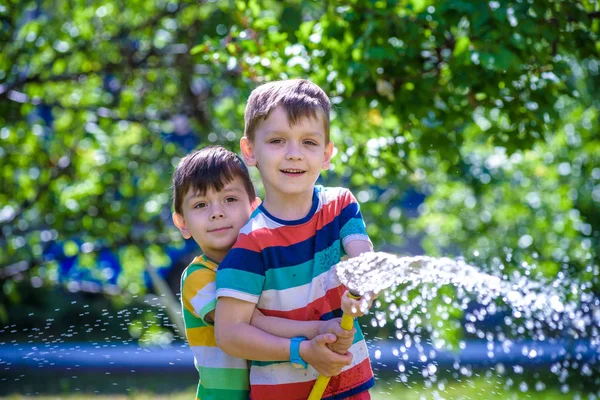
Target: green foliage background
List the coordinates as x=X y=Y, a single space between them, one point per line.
x=489 y=109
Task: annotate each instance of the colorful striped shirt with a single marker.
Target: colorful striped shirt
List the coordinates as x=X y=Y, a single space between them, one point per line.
x=222 y=377
x=284 y=267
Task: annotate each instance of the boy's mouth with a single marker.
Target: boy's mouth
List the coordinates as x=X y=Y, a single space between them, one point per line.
x=292 y=171
x=223 y=229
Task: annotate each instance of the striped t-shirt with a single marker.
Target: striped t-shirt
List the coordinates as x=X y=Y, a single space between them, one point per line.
x=222 y=377
x=285 y=268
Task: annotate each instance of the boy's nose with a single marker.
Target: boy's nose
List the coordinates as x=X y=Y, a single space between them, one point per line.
x=217 y=214
x=293 y=152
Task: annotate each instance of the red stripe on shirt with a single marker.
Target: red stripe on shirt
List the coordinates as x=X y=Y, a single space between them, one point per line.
x=344 y=382
x=289 y=235
x=245 y=242
x=332 y=300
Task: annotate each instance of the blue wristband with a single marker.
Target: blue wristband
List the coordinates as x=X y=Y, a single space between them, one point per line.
x=295 y=359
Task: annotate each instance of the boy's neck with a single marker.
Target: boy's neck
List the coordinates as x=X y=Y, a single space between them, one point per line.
x=214 y=256
x=289 y=208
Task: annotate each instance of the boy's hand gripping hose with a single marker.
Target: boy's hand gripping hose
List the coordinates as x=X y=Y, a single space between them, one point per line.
x=321 y=384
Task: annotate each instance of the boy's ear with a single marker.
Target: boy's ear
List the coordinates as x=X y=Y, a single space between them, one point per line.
x=179 y=222
x=247 y=151
x=329 y=147
x=256 y=203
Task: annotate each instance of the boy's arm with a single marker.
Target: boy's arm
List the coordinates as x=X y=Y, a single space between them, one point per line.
x=237 y=337
x=198 y=295
x=353 y=232
x=289 y=328
x=357 y=247
x=285 y=328
x=358 y=307
x=355 y=241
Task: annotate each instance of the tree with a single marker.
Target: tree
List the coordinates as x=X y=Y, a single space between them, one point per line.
x=486 y=108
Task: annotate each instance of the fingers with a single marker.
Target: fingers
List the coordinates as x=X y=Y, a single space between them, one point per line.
x=353 y=308
x=348 y=358
x=332 y=363
x=340 y=348
x=343 y=333
x=356 y=308
x=345 y=337
x=341 y=359
x=331 y=326
x=325 y=339
x=334 y=358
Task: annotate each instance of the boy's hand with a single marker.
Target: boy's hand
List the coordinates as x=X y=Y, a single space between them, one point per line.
x=357 y=307
x=326 y=362
x=344 y=337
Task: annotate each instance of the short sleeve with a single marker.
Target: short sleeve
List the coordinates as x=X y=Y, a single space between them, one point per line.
x=241 y=274
x=352 y=226
x=199 y=293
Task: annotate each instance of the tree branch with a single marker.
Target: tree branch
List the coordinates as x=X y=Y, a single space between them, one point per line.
x=55 y=173
x=123 y=33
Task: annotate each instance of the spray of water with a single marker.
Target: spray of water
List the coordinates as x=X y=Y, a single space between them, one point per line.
x=419 y=295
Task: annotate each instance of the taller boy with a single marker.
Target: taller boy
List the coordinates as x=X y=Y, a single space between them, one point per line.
x=281 y=262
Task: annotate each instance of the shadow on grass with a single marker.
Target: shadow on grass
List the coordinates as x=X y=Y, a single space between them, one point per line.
x=98 y=383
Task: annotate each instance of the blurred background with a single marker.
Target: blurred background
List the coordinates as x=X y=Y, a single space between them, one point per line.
x=465 y=129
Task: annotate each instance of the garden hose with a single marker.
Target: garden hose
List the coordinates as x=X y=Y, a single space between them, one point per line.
x=321 y=384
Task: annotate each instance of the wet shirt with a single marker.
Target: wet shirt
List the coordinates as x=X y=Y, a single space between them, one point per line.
x=284 y=267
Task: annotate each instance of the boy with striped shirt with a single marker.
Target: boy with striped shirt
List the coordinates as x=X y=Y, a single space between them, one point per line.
x=281 y=262
x=213 y=198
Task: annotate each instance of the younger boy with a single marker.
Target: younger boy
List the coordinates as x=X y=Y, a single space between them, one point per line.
x=281 y=262
x=213 y=198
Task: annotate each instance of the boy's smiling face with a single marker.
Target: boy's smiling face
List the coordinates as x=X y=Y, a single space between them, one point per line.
x=289 y=158
x=215 y=219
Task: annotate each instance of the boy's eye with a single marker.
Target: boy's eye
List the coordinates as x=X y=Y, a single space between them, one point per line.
x=200 y=205
x=230 y=199
x=275 y=141
x=311 y=143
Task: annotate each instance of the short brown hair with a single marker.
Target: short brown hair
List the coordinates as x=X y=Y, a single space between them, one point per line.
x=300 y=99
x=211 y=167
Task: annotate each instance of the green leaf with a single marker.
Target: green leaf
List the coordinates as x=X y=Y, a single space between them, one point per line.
x=504 y=58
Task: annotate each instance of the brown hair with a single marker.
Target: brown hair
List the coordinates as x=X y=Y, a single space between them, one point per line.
x=211 y=167
x=300 y=99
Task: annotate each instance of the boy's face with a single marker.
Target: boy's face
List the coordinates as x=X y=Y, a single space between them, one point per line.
x=215 y=219
x=289 y=159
